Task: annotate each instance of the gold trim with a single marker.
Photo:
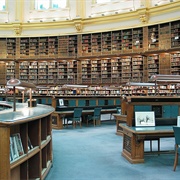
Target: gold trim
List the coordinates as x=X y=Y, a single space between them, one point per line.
x=143 y=14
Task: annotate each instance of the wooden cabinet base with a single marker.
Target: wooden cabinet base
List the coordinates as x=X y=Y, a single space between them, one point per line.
x=57 y=121
x=133 y=150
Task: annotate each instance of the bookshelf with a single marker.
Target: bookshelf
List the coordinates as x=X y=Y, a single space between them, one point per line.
x=86 y=44
x=137 y=39
x=126 y=63
x=137 y=69
x=113 y=57
x=175 y=34
x=175 y=63
x=127 y=40
x=24 y=47
x=106 y=43
x=36 y=160
x=72 y=45
x=153 y=65
x=164 y=36
x=96 y=43
x=116 y=41
x=153 y=37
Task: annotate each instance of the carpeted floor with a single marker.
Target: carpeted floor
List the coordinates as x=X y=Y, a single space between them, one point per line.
x=94 y=153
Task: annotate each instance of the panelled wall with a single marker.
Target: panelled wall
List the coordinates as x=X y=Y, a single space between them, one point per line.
x=111 y=57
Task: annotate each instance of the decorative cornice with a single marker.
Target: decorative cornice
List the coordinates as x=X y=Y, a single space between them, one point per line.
x=143 y=15
x=78 y=24
x=81 y=25
x=17 y=28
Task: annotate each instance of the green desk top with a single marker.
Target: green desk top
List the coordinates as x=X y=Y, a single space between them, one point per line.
x=23 y=112
x=154 y=129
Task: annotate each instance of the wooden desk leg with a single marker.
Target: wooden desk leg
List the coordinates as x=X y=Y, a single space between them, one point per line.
x=133 y=149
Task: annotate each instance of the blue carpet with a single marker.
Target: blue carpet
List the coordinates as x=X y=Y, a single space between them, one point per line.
x=94 y=153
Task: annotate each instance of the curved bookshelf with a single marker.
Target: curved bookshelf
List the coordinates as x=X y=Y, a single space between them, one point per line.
x=26 y=141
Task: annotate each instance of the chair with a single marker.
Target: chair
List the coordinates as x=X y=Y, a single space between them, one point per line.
x=95 y=117
x=76 y=117
x=177 y=144
x=118 y=111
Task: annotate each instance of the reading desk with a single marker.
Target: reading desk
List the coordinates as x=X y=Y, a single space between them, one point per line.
x=134 y=137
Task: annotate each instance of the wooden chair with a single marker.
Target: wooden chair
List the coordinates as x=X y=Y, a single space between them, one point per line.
x=76 y=117
x=95 y=117
x=177 y=144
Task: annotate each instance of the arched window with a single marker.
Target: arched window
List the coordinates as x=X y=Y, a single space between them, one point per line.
x=2 y=5
x=50 y=4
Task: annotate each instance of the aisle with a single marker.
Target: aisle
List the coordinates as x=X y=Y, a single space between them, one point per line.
x=94 y=153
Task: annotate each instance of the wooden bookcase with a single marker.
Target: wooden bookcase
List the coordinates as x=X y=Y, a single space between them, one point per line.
x=175 y=34
x=36 y=138
x=153 y=65
x=112 y=57
x=153 y=37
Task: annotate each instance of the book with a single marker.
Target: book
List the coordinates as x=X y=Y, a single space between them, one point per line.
x=15 y=153
x=16 y=147
x=30 y=146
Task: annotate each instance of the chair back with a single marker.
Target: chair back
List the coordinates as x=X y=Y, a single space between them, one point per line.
x=177 y=134
x=77 y=113
x=97 y=112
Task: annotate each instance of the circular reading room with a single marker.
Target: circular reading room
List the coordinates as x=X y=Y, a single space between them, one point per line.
x=89 y=89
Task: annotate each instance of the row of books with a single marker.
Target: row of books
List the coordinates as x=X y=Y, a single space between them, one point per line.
x=16 y=146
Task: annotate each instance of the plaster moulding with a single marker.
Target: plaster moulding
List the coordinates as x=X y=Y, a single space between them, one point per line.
x=78 y=24
x=17 y=29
